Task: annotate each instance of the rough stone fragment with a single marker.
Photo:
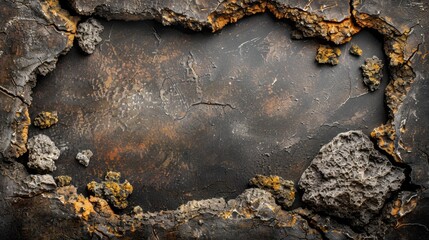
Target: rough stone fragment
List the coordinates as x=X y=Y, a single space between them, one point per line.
x=33 y=185
x=252 y=203
x=63 y=180
x=111 y=190
x=372 y=72
x=350 y=179
x=328 y=55
x=46 y=119
x=84 y=157
x=282 y=190
x=355 y=50
x=88 y=35
x=47 y=67
x=42 y=153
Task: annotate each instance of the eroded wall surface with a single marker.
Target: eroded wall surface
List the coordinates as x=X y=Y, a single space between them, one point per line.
x=200 y=114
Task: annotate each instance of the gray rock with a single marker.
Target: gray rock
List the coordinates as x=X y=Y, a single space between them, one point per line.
x=42 y=153
x=33 y=185
x=84 y=157
x=350 y=179
x=88 y=35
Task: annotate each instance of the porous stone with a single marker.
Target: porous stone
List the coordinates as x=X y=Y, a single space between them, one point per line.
x=350 y=179
x=63 y=180
x=282 y=190
x=372 y=72
x=111 y=190
x=355 y=50
x=88 y=35
x=328 y=55
x=46 y=119
x=42 y=153
x=84 y=157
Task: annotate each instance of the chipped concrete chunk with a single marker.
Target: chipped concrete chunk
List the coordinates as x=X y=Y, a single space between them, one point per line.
x=328 y=55
x=88 y=35
x=46 y=119
x=350 y=179
x=63 y=180
x=282 y=190
x=111 y=190
x=355 y=50
x=42 y=153
x=36 y=184
x=372 y=72
x=84 y=157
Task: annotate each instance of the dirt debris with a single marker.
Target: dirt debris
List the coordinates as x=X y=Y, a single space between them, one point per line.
x=63 y=180
x=355 y=50
x=112 y=190
x=46 y=119
x=372 y=72
x=328 y=55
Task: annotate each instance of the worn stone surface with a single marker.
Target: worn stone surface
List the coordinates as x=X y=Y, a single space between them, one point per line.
x=84 y=156
x=36 y=184
x=32 y=35
x=282 y=190
x=88 y=35
x=42 y=153
x=350 y=179
x=46 y=119
x=328 y=55
x=372 y=72
x=32 y=46
x=112 y=190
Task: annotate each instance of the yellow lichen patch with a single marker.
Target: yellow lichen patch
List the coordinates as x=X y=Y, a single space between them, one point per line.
x=63 y=180
x=312 y=25
x=61 y=18
x=385 y=136
x=355 y=50
x=328 y=55
x=232 y=11
x=111 y=190
x=45 y=119
x=20 y=127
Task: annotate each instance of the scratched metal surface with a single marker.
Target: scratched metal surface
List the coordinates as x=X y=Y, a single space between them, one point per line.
x=186 y=116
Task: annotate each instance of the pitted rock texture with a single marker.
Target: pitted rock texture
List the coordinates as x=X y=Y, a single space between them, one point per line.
x=111 y=190
x=328 y=55
x=84 y=157
x=282 y=190
x=46 y=119
x=350 y=179
x=372 y=72
x=88 y=35
x=42 y=153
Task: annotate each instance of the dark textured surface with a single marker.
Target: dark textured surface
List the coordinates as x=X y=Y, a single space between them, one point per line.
x=34 y=33
x=197 y=115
